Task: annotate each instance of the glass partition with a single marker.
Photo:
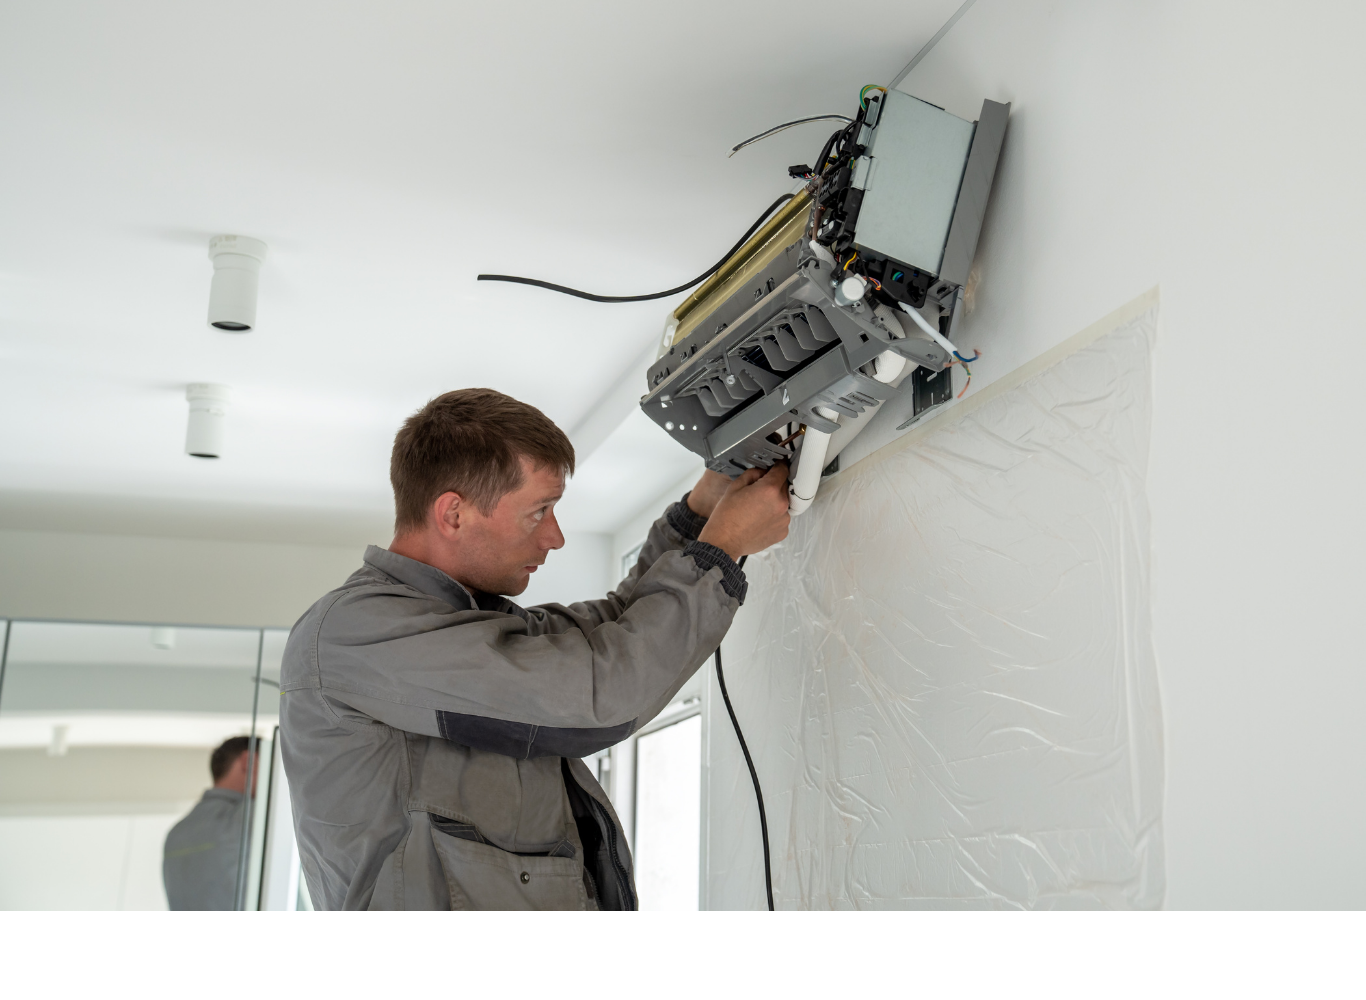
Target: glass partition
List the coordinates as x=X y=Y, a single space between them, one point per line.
x=108 y=800
x=106 y=739
x=270 y=809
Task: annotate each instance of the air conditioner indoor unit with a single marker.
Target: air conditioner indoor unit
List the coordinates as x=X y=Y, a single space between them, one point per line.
x=846 y=297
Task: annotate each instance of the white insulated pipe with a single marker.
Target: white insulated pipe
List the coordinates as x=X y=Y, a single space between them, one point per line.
x=811 y=460
x=806 y=477
x=889 y=366
x=928 y=327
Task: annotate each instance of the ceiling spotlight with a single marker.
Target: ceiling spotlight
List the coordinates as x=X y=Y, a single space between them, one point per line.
x=208 y=417
x=163 y=637
x=236 y=269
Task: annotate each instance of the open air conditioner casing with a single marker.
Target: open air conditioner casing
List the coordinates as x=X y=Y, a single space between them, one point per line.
x=765 y=341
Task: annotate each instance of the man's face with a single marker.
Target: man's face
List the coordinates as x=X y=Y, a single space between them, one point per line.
x=498 y=553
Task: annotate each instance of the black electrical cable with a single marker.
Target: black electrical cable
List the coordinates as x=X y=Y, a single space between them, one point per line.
x=824 y=158
x=653 y=295
x=753 y=774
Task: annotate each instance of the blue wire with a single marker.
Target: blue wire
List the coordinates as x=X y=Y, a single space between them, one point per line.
x=975 y=356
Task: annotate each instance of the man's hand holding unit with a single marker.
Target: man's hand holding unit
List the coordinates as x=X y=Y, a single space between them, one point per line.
x=751 y=515
x=708 y=492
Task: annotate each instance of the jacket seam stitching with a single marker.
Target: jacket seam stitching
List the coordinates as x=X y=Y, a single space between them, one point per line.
x=379 y=696
x=318 y=663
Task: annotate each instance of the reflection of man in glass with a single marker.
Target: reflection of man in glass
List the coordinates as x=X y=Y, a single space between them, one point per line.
x=200 y=863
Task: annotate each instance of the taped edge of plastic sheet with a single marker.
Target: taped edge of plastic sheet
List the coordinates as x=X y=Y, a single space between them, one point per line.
x=946 y=673
x=958 y=409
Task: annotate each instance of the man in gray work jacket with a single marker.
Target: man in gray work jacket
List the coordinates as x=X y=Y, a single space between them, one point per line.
x=431 y=729
x=202 y=851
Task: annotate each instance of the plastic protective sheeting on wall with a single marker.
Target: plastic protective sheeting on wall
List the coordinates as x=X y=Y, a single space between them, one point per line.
x=946 y=672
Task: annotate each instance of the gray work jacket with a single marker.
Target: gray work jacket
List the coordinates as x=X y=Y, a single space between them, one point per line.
x=199 y=863
x=430 y=735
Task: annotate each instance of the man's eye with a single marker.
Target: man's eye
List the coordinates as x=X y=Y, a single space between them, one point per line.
x=540 y=514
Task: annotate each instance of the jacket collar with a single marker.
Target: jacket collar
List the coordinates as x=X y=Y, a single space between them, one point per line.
x=226 y=794
x=418 y=575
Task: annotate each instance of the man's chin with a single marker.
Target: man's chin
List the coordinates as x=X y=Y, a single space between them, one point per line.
x=509 y=586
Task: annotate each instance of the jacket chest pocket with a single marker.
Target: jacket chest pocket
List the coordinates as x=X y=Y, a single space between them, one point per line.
x=482 y=877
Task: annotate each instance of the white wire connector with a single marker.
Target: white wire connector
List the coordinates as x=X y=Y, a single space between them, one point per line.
x=934 y=334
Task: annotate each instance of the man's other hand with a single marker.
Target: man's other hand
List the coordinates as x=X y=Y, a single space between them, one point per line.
x=751 y=515
x=707 y=493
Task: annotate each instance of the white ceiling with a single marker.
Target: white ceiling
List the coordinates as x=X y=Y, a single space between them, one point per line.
x=113 y=646
x=387 y=153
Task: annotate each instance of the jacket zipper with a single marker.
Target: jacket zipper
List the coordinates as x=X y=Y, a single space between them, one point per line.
x=618 y=868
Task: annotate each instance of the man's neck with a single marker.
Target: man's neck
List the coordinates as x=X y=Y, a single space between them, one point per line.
x=420 y=547
x=417 y=545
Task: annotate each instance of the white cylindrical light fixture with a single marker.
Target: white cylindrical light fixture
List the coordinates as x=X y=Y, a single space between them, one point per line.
x=208 y=419
x=236 y=272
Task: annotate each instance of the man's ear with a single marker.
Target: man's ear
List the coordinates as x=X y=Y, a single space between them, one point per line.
x=446 y=511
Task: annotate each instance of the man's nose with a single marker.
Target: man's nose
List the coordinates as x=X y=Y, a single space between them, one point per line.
x=550 y=537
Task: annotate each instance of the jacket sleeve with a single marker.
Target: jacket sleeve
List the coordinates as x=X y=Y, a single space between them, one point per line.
x=676 y=530
x=516 y=687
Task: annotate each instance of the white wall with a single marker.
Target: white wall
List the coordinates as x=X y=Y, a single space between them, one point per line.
x=581 y=571
x=1213 y=149
x=49 y=574
x=214 y=582
x=85 y=862
x=85 y=830
x=634 y=529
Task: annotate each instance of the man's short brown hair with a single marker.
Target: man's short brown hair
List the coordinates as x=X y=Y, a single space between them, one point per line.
x=223 y=758
x=471 y=442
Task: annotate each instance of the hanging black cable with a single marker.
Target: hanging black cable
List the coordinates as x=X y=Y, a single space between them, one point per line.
x=653 y=295
x=824 y=158
x=753 y=774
